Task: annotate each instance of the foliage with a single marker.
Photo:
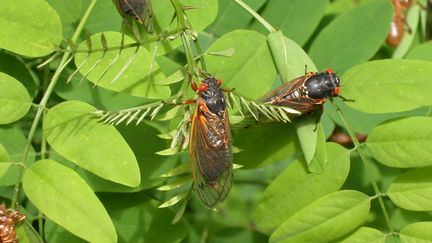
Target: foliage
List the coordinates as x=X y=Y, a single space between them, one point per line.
x=94 y=128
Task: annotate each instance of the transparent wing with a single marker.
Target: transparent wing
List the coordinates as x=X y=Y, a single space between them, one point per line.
x=211 y=161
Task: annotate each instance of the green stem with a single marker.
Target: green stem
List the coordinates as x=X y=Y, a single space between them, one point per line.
x=44 y=101
x=200 y=55
x=258 y=17
x=365 y=161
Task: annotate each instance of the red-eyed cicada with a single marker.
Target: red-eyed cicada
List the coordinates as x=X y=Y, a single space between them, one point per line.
x=306 y=93
x=210 y=144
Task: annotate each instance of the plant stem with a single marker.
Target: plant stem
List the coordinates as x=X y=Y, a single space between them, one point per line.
x=200 y=55
x=258 y=17
x=44 y=101
x=365 y=161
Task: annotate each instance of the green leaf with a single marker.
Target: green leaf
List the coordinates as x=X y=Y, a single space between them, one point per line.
x=14 y=142
x=326 y=219
x=417 y=232
x=60 y=194
x=137 y=219
x=365 y=234
x=75 y=133
x=290 y=59
x=54 y=233
x=413 y=190
x=27 y=234
x=250 y=69
x=295 y=188
x=4 y=161
x=135 y=80
x=14 y=66
x=31 y=33
x=421 y=52
x=403 y=143
x=257 y=152
x=389 y=85
x=231 y=16
x=312 y=142
x=296 y=18
x=353 y=37
x=15 y=101
x=94 y=95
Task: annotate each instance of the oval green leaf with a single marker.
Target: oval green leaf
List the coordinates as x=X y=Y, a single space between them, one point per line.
x=403 y=143
x=365 y=234
x=15 y=101
x=296 y=18
x=413 y=190
x=388 y=85
x=353 y=37
x=60 y=194
x=290 y=59
x=326 y=219
x=417 y=232
x=75 y=133
x=295 y=188
x=27 y=234
x=142 y=76
x=250 y=70
x=32 y=33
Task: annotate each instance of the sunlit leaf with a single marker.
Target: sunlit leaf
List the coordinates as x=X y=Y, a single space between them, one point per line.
x=403 y=143
x=75 y=133
x=15 y=101
x=384 y=86
x=326 y=219
x=413 y=190
x=31 y=33
x=54 y=189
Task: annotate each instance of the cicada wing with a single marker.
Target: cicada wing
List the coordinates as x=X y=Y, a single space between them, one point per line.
x=301 y=104
x=147 y=17
x=211 y=164
x=284 y=89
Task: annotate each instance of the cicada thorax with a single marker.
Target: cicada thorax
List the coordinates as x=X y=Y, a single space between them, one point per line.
x=8 y=219
x=305 y=93
x=140 y=10
x=210 y=144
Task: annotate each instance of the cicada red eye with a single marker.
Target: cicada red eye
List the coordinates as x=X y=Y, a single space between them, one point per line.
x=203 y=87
x=329 y=71
x=337 y=90
x=219 y=82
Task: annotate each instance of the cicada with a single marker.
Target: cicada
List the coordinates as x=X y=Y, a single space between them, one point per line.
x=210 y=143
x=140 y=10
x=8 y=219
x=306 y=93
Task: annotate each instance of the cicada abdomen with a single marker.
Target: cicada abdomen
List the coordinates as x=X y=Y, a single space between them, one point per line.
x=210 y=144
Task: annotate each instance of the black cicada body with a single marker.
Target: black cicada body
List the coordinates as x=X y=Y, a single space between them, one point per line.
x=305 y=93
